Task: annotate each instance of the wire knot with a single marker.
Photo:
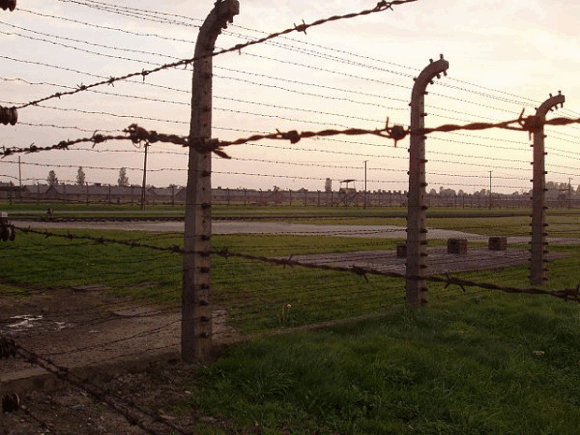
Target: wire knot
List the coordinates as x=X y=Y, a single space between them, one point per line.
x=301 y=28
x=532 y=123
x=203 y=145
x=97 y=138
x=396 y=132
x=137 y=134
x=293 y=136
x=383 y=5
x=62 y=145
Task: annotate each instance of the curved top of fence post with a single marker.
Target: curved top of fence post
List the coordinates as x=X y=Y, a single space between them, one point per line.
x=218 y=19
x=434 y=69
x=549 y=104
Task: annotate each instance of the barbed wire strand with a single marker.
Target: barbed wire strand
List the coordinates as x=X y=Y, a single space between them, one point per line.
x=380 y=7
x=149 y=12
x=565 y=294
x=123 y=409
x=138 y=134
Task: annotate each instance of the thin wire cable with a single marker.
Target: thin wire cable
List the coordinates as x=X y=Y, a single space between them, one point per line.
x=380 y=7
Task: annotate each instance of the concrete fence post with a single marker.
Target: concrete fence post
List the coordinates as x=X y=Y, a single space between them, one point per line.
x=538 y=262
x=197 y=296
x=416 y=287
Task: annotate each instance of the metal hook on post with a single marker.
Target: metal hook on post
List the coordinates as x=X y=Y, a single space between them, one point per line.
x=538 y=251
x=196 y=329
x=416 y=288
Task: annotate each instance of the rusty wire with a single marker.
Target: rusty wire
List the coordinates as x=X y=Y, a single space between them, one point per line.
x=129 y=411
x=135 y=133
x=62 y=145
x=566 y=294
x=530 y=124
x=380 y=7
x=571 y=294
x=139 y=134
x=48 y=427
x=101 y=240
x=99 y=26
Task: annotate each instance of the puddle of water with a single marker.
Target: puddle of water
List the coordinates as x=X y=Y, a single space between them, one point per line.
x=26 y=321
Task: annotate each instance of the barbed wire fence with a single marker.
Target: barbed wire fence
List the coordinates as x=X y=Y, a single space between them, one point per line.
x=316 y=278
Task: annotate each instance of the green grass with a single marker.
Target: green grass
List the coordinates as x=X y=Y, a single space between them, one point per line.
x=478 y=362
x=492 y=364
x=255 y=294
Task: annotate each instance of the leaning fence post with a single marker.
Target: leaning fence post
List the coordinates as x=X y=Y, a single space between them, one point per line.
x=539 y=244
x=196 y=322
x=417 y=209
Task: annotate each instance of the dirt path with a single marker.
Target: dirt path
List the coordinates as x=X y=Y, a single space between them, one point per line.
x=243 y=227
x=82 y=327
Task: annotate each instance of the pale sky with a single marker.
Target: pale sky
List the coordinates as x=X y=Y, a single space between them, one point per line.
x=504 y=56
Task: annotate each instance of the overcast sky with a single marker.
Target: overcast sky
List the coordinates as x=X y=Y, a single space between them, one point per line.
x=504 y=56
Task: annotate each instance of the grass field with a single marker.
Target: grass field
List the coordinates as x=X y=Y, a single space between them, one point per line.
x=473 y=362
x=237 y=210
x=256 y=295
x=487 y=364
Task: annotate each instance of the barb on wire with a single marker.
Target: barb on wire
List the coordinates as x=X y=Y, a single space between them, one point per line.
x=62 y=145
x=101 y=240
x=381 y=6
x=8 y=4
x=8 y=115
x=572 y=294
x=396 y=133
x=135 y=133
x=529 y=123
x=138 y=134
